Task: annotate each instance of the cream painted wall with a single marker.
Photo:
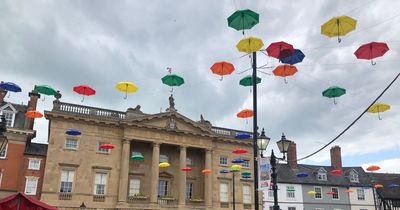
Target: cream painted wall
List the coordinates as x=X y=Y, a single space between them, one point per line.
x=284 y=201
x=356 y=204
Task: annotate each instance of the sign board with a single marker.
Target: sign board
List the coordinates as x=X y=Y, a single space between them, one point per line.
x=264 y=173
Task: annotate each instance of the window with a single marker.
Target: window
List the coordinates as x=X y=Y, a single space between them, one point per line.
x=223 y=192
x=134 y=187
x=318 y=192
x=246 y=194
x=9 y=115
x=291 y=208
x=71 y=144
x=336 y=195
x=189 y=161
x=100 y=183
x=31 y=185
x=322 y=176
x=223 y=161
x=3 y=154
x=189 y=190
x=163 y=158
x=360 y=194
x=290 y=192
x=34 y=164
x=101 y=150
x=163 y=188
x=270 y=193
x=354 y=176
x=67 y=179
x=246 y=163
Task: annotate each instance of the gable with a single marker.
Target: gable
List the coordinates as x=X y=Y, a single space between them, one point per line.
x=8 y=107
x=321 y=170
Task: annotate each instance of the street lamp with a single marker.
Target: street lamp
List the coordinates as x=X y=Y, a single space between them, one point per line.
x=3 y=137
x=83 y=206
x=262 y=142
x=283 y=145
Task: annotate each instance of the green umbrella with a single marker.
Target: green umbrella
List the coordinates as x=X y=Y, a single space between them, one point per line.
x=137 y=156
x=172 y=80
x=248 y=81
x=246 y=174
x=243 y=19
x=234 y=170
x=334 y=92
x=46 y=90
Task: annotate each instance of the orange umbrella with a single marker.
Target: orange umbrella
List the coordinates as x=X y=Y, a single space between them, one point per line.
x=206 y=171
x=373 y=168
x=377 y=186
x=284 y=71
x=245 y=113
x=222 y=68
x=33 y=114
x=349 y=191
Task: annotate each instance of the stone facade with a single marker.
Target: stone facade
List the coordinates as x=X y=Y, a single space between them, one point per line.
x=167 y=135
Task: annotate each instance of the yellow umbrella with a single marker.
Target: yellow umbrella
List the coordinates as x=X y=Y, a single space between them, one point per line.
x=249 y=45
x=378 y=108
x=127 y=87
x=164 y=165
x=312 y=192
x=338 y=26
x=236 y=167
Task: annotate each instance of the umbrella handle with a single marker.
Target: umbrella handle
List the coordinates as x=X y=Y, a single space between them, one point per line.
x=8 y=95
x=126 y=95
x=284 y=79
x=379 y=115
x=373 y=63
x=44 y=98
x=172 y=89
x=334 y=101
x=339 y=39
x=83 y=98
x=222 y=78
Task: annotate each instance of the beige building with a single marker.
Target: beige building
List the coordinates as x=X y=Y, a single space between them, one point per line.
x=78 y=170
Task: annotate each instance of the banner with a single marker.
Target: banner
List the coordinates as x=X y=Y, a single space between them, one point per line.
x=264 y=173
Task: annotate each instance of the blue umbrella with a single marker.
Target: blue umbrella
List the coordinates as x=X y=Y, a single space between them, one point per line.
x=393 y=185
x=238 y=160
x=224 y=171
x=242 y=136
x=73 y=132
x=296 y=57
x=301 y=174
x=9 y=86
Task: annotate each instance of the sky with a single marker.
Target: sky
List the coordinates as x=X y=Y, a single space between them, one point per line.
x=101 y=43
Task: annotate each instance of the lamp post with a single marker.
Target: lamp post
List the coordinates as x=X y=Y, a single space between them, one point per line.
x=3 y=137
x=83 y=206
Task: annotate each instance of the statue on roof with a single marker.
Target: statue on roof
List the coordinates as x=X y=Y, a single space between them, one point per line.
x=171 y=103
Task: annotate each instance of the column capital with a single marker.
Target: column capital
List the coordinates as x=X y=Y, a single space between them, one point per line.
x=183 y=146
x=208 y=150
x=156 y=144
x=126 y=141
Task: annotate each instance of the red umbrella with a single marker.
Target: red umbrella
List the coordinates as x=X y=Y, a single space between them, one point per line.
x=331 y=193
x=33 y=114
x=284 y=71
x=377 y=186
x=371 y=50
x=186 y=168
x=107 y=146
x=280 y=50
x=84 y=90
x=222 y=68
x=240 y=151
x=336 y=172
x=373 y=168
x=245 y=113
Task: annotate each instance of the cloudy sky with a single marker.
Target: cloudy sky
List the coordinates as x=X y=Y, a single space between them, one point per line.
x=67 y=43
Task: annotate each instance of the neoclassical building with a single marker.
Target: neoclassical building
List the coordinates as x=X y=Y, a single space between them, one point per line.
x=78 y=170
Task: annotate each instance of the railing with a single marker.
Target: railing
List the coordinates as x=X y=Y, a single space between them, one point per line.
x=87 y=110
x=247 y=206
x=228 y=132
x=167 y=201
x=137 y=199
x=99 y=198
x=65 y=196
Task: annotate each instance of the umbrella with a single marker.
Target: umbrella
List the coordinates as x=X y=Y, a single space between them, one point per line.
x=106 y=146
x=246 y=173
x=338 y=26
x=137 y=156
x=84 y=90
x=224 y=171
x=233 y=170
x=377 y=186
x=336 y=172
x=243 y=19
x=186 y=168
x=349 y=191
x=172 y=80
x=33 y=114
x=222 y=68
x=378 y=108
x=206 y=171
x=311 y=192
x=239 y=151
x=248 y=81
x=284 y=71
x=331 y=193
x=373 y=168
x=242 y=136
x=9 y=86
x=393 y=185
x=302 y=174
x=46 y=90
x=238 y=160
x=249 y=45
x=127 y=87
x=236 y=166
x=280 y=50
x=371 y=50
x=164 y=165
x=296 y=57
x=334 y=92
x=73 y=132
x=246 y=177
x=245 y=113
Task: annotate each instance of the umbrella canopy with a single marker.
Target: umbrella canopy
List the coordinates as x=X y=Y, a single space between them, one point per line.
x=239 y=151
x=222 y=68
x=233 y=170
x=336 y=172
x=284 y=71
x=137 y=156
x=311 y=192
x=164 y=165
x=106 y=146
x=33 y=114
x=249 y=45
x=334 y=92
x=373 y=168
x=84 y=90
x=243 y=19
x=246 y=177
x=248 y=81
x=280 y=50
x=331 y=193
x=73 y=132
x=338 y=26
x=21 y=201
x=296 y=57
x=45 y=89
x=242 y=136
x=371 y=50
x=238 y=160
x=127 y=87
x=9 y=86
x=349 y=191
x=206 y=171
x=246 y=173
x=393 y=185
x=236 y=166
x=224 y=171
x=378 y=108
x=377 y=186
x=186 y=168
x=245 y=113
x=172 y=80
x=302 y=174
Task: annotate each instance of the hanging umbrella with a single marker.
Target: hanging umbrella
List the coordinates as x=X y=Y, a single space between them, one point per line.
x=280 y=50
x=127 y=87
x=338 y=26
x=106 y=146
x=334 y=92
x=233 y=170
x=371 y=50
x=373 y=168
x=236 y=166
x=248 y=81
x=296 y=57
x=164 y=165
x=206 y=171
x=284 y=71
x=224 y=171
x=222 y=68
x=242 y=136
x=84 y=90
x=302 y=174
x=349 y=191
x=378 y=108
x=249 y=45
x=311 y=192
x=243 y=19
x=393 y=185
x=137 y=156
x=46 y=90
x=331 y=193
x=246 y=173
x=245 y=113
x=73 y=132
x=186 y=168
x=172 y=80
x=377 y=186
x=10 y=87
x=246 y=177
x=33 y=114
x=336 y=172
x=238 y=160
x=239 y=151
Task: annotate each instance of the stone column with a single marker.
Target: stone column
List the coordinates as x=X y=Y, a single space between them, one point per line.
x=182 y=177
x=124 y=171
x=155 y=173
x=208 y=180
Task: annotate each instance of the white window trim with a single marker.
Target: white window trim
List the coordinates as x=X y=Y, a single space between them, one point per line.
x=30 y=166
x=336 y=193
x=223 y=164
x=73 y=180
x=354 y=176
x=33 y=178
x=227 y=193
x=287 y=192
x=106 y=183
x=77 y=144
x=248 y=161
x=13 y=112
x=363 y=194
x=322 y=194
x=249 y=202
x=5 y=152
x=130 y=187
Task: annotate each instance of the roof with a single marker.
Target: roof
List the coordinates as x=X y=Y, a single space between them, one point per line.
x=386 y=179
x=288 y=175
x=19 y=121
x=36 y=149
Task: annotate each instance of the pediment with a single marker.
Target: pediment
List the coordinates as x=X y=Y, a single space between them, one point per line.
x=8 y=107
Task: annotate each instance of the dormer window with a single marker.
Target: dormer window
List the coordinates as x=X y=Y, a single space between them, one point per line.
x=354 y=176
x=321 y=175
x=9 y=113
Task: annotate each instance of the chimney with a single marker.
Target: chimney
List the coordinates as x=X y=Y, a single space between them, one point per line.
x=32 y=104
x=292 y=155
x=336 y=158
x=3 y=94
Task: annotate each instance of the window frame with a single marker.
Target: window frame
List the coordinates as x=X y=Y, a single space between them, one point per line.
x=100 y=150
x=30 y=167
x=71 y=148
x=249 y=197
x=225 y=158
x=189 y=161
x=354 y=177
x=12 y=112
x=5 y=152
x=95 y=185
x=189 y=190
x=336 y=194
x=362 y=197
x=163 y=158
x=246 y=164
x=289 y=193
x=165 y=190
x=225 y=195
x=31 y=178
x=131 y=188
x=73 y=170
x=321 y=194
